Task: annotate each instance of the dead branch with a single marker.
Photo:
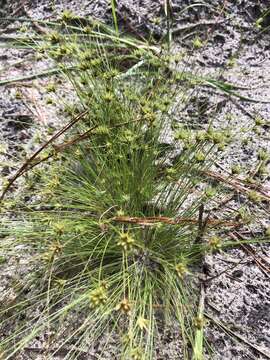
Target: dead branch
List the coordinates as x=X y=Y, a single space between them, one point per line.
x=179 y=29
x=149 y=221
x=25 y=166
x=238 y=184
x=262 y=264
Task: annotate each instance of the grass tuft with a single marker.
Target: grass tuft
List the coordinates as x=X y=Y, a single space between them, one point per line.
x=119 y=222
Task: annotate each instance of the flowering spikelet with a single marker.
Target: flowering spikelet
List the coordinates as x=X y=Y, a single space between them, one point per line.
x=55 y=247
x=181 y=270
x=126 y=241
x=136 y=354
x=199 y=322
x=143 y=323
x=214 y=243
x=59 y=228
x=98 y=297
x=124 y=306
x=102 y=130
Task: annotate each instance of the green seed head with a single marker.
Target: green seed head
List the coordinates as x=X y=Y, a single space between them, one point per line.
x=263 y=155
x=210 y=192
x=126 y=241
x=259 y=121
x=199 y=322
x=143 y=323
x=84 y=65
x=254 y=196
x=98 y=297
x=199 y=156
x=221 y=147
x=59 y=228
x=18 y=94
x=120 y=213
x=202 y=136
x=214 y=243
x=60 y=283
x=181 y=270
x=50 y=101
x=236 y=169
x=87 y=29
x=54 y=37
x=102 y=130
x=231 y=62
x=129 y=136
x=51 y=87
x=108 y=97
x=218 y=137
x=182 y=134
x=171 y=173
x=136 y=354
x=68 y=16
x=150 y=117
x=259 y=22
x=96 y=62
x=263 y=170
x=197 y=43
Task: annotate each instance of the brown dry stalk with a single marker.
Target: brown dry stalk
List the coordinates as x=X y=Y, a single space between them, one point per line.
x=180 y=29
x=238 y=184
x=63 y=146
x=62 y=352
x=233 y=334
x=262 y=264
x=202 y=224
x=59 y=148
x=34 y=160
x=149 y=221
x=28 y=162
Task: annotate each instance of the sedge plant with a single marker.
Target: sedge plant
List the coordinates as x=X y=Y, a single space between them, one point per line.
x=115 y=231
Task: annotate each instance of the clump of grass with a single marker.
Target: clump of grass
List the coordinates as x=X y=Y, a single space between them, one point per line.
x=117 y=231
x=106 y=236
